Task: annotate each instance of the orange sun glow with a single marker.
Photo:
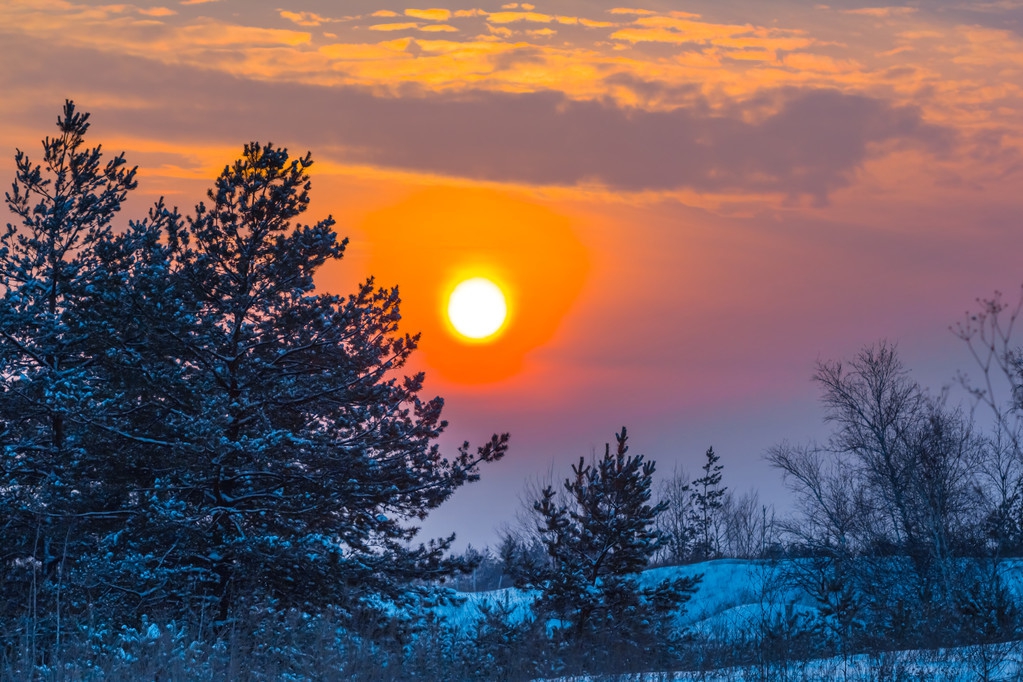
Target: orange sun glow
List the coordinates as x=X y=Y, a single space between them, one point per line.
x=441 y=239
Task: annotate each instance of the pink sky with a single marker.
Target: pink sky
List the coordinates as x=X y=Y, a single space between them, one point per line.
x=690 y=207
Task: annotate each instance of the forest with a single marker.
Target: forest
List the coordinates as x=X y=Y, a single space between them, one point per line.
x=210 y=470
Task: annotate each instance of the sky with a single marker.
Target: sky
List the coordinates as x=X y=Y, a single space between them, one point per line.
x=687 y=204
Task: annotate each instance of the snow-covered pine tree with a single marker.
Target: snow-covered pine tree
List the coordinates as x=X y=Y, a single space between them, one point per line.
x=297 y=458
x=57 y=483
x=599 y=538
x=185 y=421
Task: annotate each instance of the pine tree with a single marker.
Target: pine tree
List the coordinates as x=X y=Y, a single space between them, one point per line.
x=297 y=454
x=707 y=495
x=599 y=539
x=56 y=486
x=186 y=422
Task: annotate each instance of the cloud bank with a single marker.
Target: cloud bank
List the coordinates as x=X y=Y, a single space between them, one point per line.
x=796 y=142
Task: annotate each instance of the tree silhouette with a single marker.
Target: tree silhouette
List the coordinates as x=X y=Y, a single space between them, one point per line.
x=56 y=479
x=708 y=499
x=184 y=408
x=599 y=537
x=299 y=452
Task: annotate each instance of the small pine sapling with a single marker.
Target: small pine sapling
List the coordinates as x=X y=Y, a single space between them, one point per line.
x=598 y=541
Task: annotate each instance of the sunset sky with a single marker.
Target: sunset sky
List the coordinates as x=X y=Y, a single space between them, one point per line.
x=687 y=203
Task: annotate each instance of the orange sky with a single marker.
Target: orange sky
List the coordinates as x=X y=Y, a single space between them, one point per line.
x=687 y=203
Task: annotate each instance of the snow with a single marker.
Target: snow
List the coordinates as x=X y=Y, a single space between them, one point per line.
x=962 y=664
x=729 y=594
x=736 y=596
x=464 y=616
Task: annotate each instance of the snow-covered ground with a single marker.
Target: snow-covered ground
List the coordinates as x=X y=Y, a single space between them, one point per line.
x=736 y=596
x=1002 y=662
x=732 y=592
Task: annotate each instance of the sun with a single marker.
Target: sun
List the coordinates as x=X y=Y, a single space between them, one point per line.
x=477 y=309
x=432 y=241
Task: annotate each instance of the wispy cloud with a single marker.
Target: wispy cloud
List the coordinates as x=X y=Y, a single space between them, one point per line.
x=627 y=10
x=511 y=17
x=682 y=30
x=429 y=14
x=401 y=26
x=882 y=11
x=157 y=12
x=305 y=18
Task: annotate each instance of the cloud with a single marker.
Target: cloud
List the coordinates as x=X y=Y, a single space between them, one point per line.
x=429 y=14
x=682 y=28
x=404 y=26
x=505 y=61
x=158 y=12
x=881 y=12
x=304 y=18
x=792 y=142
x=805 y=62
x=214 y=34
x=384 y=13
x=724 y=58
x=811 y=146
x=512 y=17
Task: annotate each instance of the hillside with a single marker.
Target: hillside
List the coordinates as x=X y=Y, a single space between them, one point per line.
x=739 y=599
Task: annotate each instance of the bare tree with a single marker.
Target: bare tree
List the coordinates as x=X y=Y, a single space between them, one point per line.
x=988 y=334
x=676 y=521
x=874 y=405
x=748 y=527
x=917 y=456
x=889 y=504
x=829 y=497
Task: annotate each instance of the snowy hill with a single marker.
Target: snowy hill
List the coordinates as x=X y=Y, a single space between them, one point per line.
x=732 y=590
x=736 y=597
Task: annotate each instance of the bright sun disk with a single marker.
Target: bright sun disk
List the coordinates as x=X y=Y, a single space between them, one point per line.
x=477 y=308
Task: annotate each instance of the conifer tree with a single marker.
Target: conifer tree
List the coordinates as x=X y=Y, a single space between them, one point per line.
x=599 y=537
x=186 y=421
x=297 y=454
x=56 y=480
x=708 y=498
